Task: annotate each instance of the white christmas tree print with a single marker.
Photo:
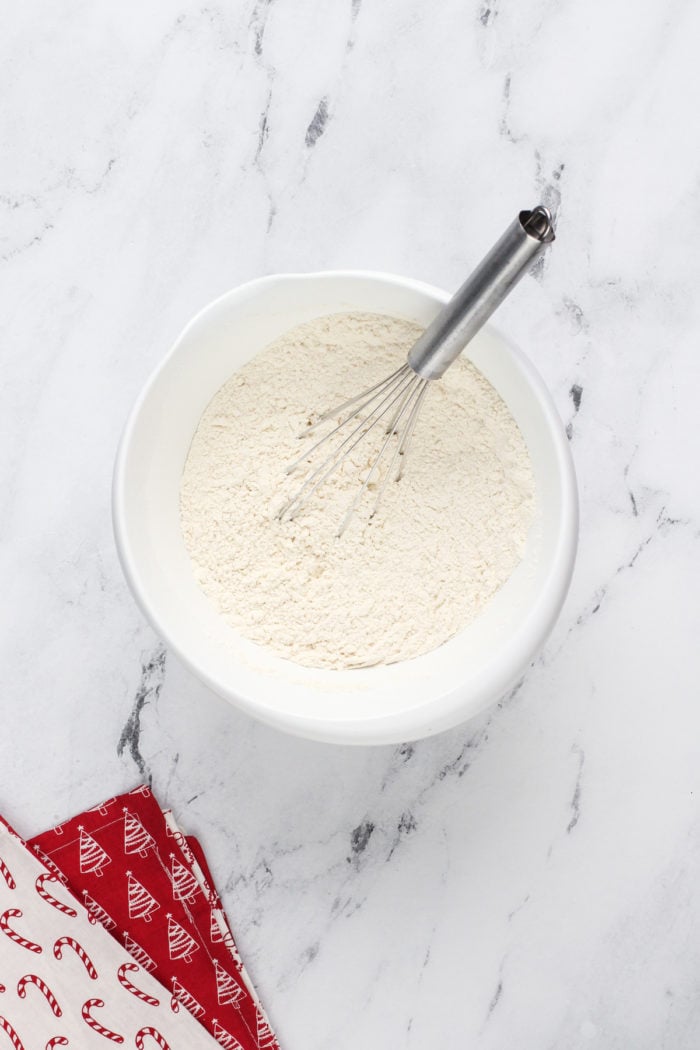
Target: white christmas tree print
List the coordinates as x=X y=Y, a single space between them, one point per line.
x=266 y=1038
x=141 y=903
x=138 y=953
x=228 y=990
x=180 y=944
x=136 y=838
x=92 y=857
x=228 y=1041
x=219 y=933
x=103 y=807
x=181 y=995
x=96 y=912
x=185 y=886
x=216 y=934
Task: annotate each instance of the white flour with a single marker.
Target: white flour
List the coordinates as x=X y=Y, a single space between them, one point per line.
x=443 y=541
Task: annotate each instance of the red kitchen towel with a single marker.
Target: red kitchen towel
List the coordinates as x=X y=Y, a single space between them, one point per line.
x=64 y=981
x=218 y=929
x=137 y=875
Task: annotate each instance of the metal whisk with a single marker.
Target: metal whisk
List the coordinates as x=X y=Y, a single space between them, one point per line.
x=396 y=401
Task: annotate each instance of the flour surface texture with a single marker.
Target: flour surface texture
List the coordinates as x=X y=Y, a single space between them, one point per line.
x=444 y=540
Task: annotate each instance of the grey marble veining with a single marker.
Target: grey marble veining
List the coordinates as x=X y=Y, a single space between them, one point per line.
x=531 y=878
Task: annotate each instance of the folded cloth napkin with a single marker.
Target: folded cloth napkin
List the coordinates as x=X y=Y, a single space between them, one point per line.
x=139 y=877
x=64 y=981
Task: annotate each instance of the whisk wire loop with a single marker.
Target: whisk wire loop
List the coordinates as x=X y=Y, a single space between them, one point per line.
x=397 y=388
x=388 y=387
x=417 y=389
x=380 y=386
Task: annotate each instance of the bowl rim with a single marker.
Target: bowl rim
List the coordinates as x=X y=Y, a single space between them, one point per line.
x=415 y=722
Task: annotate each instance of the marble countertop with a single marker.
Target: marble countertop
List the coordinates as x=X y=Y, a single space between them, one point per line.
x=530 y=879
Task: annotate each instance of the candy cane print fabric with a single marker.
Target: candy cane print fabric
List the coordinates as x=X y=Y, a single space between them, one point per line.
x=64 y=981
x=137 y=875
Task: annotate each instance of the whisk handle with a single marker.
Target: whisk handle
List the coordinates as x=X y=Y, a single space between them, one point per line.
x=472 y=305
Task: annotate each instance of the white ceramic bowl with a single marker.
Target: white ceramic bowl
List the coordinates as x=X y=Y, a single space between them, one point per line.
x=379 y=705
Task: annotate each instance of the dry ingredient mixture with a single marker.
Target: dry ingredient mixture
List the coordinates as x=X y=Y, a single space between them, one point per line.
x=445 y=538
